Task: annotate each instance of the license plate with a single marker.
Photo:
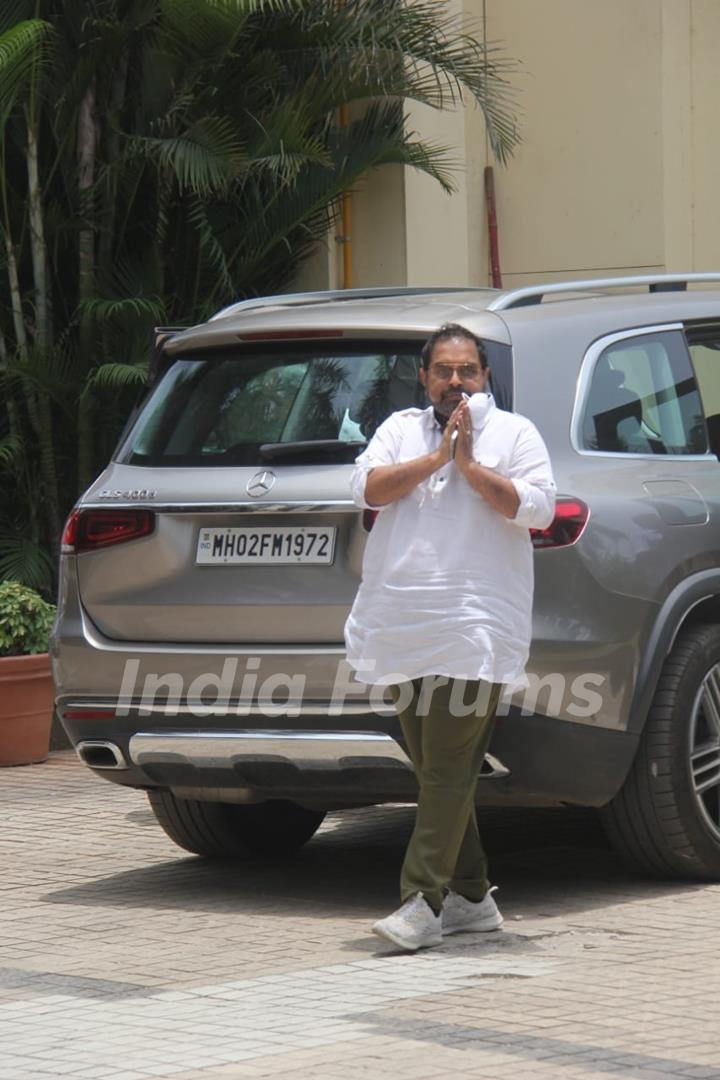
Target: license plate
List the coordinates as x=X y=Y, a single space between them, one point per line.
x=266 y=545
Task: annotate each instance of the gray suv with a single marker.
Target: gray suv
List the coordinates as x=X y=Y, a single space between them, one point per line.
x=207 y=573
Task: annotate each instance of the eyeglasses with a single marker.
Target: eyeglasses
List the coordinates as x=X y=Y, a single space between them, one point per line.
x=464 y=371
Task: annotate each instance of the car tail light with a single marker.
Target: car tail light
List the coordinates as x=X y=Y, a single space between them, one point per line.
x=87 y=530
x=369 y=517
x=289 y=335
x=570 y=519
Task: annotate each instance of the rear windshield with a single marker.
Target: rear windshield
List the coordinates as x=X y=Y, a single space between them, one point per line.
x=295 y=405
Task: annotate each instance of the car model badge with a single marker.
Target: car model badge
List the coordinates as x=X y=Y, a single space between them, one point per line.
x=260 y=483
x=135 y=493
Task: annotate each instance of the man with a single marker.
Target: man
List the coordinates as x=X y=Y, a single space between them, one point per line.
x=443 y=613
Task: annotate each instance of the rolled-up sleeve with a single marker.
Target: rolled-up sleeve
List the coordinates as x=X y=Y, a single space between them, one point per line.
x=531 y=474
x=383 y=449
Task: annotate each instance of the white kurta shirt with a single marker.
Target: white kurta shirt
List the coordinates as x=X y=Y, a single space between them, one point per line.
x=447 y=581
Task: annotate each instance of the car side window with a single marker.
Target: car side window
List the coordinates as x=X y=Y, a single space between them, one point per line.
x=643 y=399
x=704 y=346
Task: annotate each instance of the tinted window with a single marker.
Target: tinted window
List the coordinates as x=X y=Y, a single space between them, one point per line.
x=704 y=348
x=643 y=399
x=499 y=359
x=221 y=408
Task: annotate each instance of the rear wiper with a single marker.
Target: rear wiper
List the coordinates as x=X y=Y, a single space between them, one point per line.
x=271 y=450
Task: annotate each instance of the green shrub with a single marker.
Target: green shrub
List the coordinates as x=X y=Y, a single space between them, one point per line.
x=25 y=620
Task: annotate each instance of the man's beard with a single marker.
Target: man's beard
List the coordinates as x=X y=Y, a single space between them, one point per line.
x=447 y=405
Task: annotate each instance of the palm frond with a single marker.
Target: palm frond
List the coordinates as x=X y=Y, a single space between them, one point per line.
x=287 y=141
x=378 y=138
x=54 y=372
x=419 y=50
x=210 y=244
x=24 y=560
x=21 y=49
x=210 y=29
x=10 y=449
x=202 y=27
x=106 y=309
x=381 y=137
x=203 y=159
x=134 y=274
x=116 y=376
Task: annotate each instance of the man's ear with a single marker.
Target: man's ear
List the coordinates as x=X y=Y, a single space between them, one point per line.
x=422 y=376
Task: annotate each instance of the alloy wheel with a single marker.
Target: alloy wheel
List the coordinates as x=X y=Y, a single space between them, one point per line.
x=704 y=750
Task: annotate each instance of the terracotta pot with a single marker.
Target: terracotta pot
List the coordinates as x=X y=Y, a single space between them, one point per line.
x=26 y=709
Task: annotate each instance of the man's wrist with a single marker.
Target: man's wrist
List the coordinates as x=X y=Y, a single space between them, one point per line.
x=438 y=458
x=469 y=466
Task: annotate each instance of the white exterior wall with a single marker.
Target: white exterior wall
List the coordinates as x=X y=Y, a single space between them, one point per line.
x=618 y=170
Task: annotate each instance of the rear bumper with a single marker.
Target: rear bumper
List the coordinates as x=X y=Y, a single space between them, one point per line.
x=323 y=768
x=333 y=762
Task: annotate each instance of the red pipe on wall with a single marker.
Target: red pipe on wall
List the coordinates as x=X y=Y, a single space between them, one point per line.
x=492 y=227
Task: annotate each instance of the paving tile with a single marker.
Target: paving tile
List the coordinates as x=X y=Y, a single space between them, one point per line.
x=123 y=958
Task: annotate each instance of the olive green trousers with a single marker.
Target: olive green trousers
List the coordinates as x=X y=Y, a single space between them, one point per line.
x=447 y=752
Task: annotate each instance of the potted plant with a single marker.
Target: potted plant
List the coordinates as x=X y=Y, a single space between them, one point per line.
x=26 y=688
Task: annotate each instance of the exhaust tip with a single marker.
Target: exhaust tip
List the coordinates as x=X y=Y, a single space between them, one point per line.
x=493 y=768
x=99 y=754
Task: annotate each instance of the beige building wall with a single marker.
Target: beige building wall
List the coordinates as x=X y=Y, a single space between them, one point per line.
x=705 y=104
x=583 y=195
x=618 y=171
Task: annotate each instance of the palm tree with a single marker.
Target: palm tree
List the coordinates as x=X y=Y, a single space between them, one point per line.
x=160 y=158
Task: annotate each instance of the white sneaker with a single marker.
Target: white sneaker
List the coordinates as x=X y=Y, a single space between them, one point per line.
x=460 y=915
x=413 y=926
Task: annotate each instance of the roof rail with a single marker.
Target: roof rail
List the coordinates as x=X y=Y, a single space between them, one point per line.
x=533 y=294
x=329 y=295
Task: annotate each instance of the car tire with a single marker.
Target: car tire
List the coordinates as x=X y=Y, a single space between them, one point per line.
x=227 y=830
x=666 y=817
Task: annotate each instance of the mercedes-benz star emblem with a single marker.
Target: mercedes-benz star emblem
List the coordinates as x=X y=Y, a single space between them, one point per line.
x=260 y=483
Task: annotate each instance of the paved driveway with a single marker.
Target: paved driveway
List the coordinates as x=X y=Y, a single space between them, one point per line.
x=121 y=958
